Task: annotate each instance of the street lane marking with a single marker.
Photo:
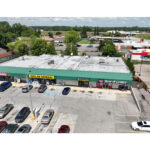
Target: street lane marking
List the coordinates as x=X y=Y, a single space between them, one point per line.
x=132 y=131
x=123 y=122
x=128 y=115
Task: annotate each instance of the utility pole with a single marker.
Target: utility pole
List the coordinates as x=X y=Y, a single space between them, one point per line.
x=33 y=115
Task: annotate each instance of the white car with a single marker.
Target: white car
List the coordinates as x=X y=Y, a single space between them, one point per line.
x=141 y=126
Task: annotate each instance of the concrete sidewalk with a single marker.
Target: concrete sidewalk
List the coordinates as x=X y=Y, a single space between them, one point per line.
x=86 y=89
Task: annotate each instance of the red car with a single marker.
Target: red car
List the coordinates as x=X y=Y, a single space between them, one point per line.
x=2 y=125
x=64 y=129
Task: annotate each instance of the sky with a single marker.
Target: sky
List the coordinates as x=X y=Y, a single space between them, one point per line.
x=80 y=21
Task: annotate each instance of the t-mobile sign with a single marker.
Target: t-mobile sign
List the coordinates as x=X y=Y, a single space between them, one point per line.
x=3 y=74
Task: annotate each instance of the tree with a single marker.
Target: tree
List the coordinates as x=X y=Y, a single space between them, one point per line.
x=5 y=27
x=22 y=49
x=58 y=33
x=74 y=49
x=92 y=41
x=109 y=50
x=38 y=47
x=117 y=34
x=11 y=46
x=130 y=65
x=50 y=49
x=68 y=49
x=4 y=39
x=71 y=39
x=50 y=34
x=17 y=28
x=27 y=32
x=104 y=42
x=96 y=31
x=83 y=32
x=83 y=53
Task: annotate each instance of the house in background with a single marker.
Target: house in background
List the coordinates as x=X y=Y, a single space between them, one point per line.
x=59 y=38
x=4 y=55
x=47 y=39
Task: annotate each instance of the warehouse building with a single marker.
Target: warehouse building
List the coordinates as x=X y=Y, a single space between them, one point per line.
x=86 y=71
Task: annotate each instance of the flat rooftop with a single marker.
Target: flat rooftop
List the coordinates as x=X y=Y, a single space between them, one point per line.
x=81 y=63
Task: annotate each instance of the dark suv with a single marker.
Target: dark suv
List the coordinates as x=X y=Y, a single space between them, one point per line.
x=10 y=128
x=5 y=85
x=22 y=115
x=42 y=88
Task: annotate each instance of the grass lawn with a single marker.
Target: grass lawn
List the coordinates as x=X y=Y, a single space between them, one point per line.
x=145 y=36
x=84 y=42
x=147 y=63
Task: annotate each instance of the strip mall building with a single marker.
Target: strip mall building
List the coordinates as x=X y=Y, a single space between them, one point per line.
x=103 y=72
x=140 y=55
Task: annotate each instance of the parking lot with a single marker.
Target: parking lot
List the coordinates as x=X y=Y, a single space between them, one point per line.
x=85 y=110
x=91 y=51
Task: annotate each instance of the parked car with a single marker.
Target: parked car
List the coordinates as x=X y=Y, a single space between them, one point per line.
x=61 y=45
x=22 y=115
x=66 y=91
x=2 y=125
x=26 y=88
x=10 y=128
x=42 y=88
x=24 y=129
x=5 y=85
x=64 y=129
x=78 y=45
x=48 y=115
x=141 y=126
x=90 y=46
x=5 y=110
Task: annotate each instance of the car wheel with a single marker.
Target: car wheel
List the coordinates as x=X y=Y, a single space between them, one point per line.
x=137 y=129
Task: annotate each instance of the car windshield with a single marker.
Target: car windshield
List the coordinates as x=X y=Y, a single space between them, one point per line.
x=21 y=129
x=139 y=123
x=6 y=130
x=25 y=88
x=62 y=129
x=20 y=114
x=2 y=110
x=45 y=117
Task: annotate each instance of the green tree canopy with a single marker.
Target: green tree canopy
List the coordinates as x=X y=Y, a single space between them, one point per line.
x=51 y=49
x=109 y=50
x=58 y=33
x=105 y=42
x=92 y=41
x=84 y=32
x=83 y=53
x=50 y=34
x=38 y=47
x=22 y=49
x=71 y=39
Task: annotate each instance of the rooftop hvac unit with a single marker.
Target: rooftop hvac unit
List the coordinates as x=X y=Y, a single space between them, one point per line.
x=117 y=60
x=62 y=55
x=51 y=62
x=21 y=58
x=101 y=61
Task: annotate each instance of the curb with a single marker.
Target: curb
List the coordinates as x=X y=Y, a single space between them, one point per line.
x=135 y=99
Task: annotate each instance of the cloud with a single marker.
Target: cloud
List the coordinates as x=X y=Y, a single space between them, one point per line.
x=80 y=21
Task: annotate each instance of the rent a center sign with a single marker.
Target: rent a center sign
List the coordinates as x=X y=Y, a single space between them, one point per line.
x=41 y=76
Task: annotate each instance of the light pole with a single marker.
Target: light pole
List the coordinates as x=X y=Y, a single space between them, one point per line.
x=53 y=97
x=141 y=66
x=33 y=115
